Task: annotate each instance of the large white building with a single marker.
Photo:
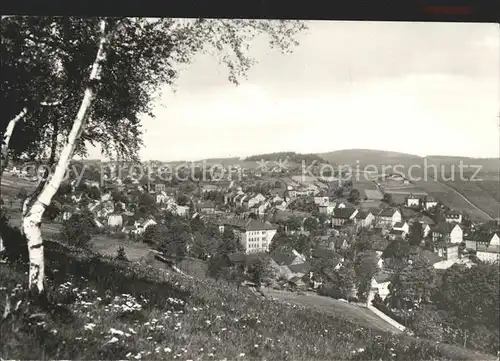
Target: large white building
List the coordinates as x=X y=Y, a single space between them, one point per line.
x=254 y=235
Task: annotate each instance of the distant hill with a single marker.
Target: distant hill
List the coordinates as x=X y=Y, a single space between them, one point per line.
x=232 y=160
x=488 y=165
x=365 y=157
x=289 y=156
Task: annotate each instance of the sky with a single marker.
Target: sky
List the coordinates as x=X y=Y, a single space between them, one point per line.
x=418 y=88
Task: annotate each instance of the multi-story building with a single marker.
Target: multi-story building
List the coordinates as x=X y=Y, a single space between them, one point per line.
x=254 y=235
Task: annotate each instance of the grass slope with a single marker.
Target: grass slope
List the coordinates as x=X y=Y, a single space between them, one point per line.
x=105 y=309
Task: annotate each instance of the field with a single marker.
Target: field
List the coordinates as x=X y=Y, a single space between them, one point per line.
x=356 y=313
x=483 y=190
x=99 y=308
x=11 y=185
x=453 y=198
x=484 y=195
x=480 y=194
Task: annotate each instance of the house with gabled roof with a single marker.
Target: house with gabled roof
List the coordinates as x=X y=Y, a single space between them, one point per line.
x=260 y=208
x=364 y=218
x=453 y=217
x=253 y=199
x=343 y=215
x=401 y=226
x=380 y=283
x=430 y=203
x=321 y=198
x=486 y=243
x=415 y=200
x=447 y=232
x=482 y=238
x=239 y=199
x=327 y=208
x=388 y=217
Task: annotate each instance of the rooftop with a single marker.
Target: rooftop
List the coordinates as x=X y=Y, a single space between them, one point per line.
x=300 y=267
x=343 y=213
x=249 y=224
x=398 y=224
x=388 y=212
x=362 y=214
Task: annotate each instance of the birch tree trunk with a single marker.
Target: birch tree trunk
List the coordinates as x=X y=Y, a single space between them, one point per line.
x=33 y=211
x=7 y=136
x=10 y=129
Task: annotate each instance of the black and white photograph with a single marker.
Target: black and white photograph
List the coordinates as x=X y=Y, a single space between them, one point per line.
x=239 y=189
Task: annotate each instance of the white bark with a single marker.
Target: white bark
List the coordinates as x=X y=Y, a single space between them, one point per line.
x=51 y=104
x=32 y=218
x=8 y=135
x=10 y=129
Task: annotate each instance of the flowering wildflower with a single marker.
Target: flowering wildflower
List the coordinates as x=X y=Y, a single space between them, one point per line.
x=89 y=326
x=113 y=340
x=114 y=331
x=242 y=354
x=167 y=349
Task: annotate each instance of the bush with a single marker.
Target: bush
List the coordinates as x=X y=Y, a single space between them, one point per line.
x=77 y=231
x=52 y=211
x=326 y=290
x=121 y=255
x=22 y=194
x=379 y=304
x=16 y=246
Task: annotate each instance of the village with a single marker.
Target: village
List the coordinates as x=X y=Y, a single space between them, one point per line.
x=300 y=223
x=248 y=189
